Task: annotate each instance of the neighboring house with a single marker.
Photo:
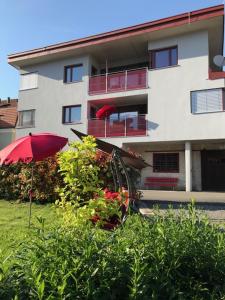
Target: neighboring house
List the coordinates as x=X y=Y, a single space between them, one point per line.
x=8 y=118
x=160 y=76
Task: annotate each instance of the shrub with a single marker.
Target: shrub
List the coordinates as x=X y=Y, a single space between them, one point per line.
x=81 y=174
x=105 y=174
x=105 y=210
x=15 y=181
x=170 y=257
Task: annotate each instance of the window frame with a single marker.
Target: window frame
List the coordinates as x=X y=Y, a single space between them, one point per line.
x=208 y=112
x=64 y=114
x=25 y=74
x=153 y=60
x=166 y=170
x=19 y=125
x=71 y=73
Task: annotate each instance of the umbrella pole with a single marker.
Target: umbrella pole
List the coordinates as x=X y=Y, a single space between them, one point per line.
x=31 y=192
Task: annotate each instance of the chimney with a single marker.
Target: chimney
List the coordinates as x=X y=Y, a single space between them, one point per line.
x=8 y=100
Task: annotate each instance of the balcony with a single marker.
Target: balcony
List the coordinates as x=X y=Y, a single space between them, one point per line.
x=130 y=126
x=119 y=81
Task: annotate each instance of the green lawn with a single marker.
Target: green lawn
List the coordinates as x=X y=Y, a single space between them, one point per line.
x=14 y=222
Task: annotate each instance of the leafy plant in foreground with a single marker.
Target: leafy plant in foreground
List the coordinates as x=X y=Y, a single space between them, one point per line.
x=178 y=256
x=80 y=171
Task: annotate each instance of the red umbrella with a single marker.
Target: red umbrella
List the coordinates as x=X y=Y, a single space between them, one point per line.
x=31 y=148
x=105 y=111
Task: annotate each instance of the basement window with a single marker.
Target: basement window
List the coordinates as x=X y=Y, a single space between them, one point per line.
x=166 y=162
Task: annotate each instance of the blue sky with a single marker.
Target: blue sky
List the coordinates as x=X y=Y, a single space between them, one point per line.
x=28 y=24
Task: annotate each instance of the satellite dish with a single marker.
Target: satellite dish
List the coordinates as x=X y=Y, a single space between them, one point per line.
x=219 y=60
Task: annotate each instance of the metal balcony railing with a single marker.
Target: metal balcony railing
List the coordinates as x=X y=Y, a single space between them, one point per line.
x=118 y=81
x=130 y=126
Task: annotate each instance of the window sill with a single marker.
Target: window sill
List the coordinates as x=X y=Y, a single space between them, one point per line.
x=207 y=112
x=73 y=82
x=162 y=68
x=72 y=123
x=163 y=172
x=34 y=88
x=27 y=126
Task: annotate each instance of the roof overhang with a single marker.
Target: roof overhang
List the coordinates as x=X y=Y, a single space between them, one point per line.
x=203 y=19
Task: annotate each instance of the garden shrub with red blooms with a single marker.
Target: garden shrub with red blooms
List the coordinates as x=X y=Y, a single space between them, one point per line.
x=107 y=208
x=15 y=181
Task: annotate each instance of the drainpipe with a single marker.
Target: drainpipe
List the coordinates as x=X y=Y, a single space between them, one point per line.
x=106 y=75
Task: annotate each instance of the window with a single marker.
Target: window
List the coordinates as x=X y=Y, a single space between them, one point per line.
x=28 y=81
x=73 y=73
x=130 y=117
x=166 y=162
x=164 y=57
x=94 y=71
x=207 y=101
x=26 y=118
x=72 y=114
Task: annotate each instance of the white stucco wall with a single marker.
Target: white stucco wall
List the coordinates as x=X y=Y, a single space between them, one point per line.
x=169 y=109
x=196 y=171
x=7 y=136
x=169 y=104
x=52 y=94
x=148 y=172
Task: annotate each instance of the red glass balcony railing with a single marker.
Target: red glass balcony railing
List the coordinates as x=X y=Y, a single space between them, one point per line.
x=117 y=82
x=130 y=126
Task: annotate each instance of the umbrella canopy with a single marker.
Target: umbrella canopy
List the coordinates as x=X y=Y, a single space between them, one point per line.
x=34 y=147
x=105 y=111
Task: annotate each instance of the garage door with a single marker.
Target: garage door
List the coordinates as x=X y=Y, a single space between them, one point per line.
x=213 y=170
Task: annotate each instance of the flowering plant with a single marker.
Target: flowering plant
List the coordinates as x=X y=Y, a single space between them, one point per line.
x=107 y=208
x=104 y=210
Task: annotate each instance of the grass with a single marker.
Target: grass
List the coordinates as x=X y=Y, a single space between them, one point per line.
x=14 y=222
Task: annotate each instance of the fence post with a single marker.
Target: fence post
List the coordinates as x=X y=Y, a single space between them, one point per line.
x=106 y=82
x=146 y=72
x=105 y=127
x=125 y=80
x=125 y=129
x=146 y=125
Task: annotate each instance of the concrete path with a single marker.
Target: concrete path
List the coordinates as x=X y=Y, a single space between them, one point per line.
x=211 y=203
x=180 y=196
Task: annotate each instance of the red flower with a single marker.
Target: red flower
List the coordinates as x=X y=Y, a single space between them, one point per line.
x=95 y=219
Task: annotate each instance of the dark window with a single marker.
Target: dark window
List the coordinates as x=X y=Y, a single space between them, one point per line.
x=26 y=118
x=94 y=71
x=166 y=162
x=73 y=73
x=72 y=114
x=164 y=57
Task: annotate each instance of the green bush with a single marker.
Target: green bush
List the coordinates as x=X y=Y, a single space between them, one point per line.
x=163 y=257
x=80 y=171
x=15 y=181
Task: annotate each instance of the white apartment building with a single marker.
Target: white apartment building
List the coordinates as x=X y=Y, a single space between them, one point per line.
x=167 y=95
